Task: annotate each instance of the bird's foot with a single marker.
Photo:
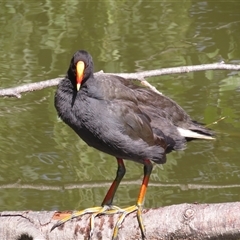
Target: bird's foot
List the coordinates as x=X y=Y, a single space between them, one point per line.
x=106 y=209
x=124 y=212
x=76 y=214
x=95 y=211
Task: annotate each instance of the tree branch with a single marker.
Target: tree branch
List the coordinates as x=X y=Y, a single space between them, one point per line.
x=184 y=221
x=140 y=76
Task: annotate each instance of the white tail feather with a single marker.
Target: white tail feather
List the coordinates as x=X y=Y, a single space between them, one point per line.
x=192 y=134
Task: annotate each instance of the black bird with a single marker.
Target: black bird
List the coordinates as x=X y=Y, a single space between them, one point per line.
x=124 y=120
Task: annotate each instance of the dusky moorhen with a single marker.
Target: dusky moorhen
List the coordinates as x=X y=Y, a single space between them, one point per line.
x=124 y=120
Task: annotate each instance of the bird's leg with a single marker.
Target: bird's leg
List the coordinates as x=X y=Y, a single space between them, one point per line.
x=141 y=197
x=106 y=207
x=138 y=207
x=112 y=190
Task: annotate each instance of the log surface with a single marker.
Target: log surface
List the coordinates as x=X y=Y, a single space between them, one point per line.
x=183 y=221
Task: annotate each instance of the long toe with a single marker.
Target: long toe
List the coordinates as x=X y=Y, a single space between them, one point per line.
x=106 y=210
x=140 y=222
x=76 y=214
x=124 y=213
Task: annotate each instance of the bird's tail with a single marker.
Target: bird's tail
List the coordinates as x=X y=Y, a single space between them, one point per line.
x=206 y=134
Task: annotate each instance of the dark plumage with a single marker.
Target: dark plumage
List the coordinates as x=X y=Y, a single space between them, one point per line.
x=122 y=119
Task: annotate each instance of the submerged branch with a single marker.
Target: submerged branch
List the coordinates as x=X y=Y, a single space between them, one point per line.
x=140 y=76
x=105 y=184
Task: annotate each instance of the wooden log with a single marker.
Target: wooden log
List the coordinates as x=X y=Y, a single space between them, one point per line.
x=184 y=221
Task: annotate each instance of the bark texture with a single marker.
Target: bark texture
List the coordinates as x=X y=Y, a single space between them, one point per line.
x=184 y=221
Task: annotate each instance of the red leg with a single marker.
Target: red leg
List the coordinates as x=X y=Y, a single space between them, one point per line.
x=106 y=204
x=138 y=207
x=112 y=190
x=147 y=172
x=141 y=197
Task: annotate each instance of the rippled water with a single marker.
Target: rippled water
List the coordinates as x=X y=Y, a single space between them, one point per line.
x=44 y=165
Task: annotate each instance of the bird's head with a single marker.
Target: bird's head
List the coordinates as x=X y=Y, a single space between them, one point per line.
x=81 y=68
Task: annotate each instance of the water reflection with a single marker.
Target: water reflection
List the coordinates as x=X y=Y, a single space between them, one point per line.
x=217 y=26
x=36 y=43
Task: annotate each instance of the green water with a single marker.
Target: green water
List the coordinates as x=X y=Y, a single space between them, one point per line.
x=45 y=166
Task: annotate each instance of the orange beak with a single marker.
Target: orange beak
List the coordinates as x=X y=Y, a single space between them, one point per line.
x=80 y=69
